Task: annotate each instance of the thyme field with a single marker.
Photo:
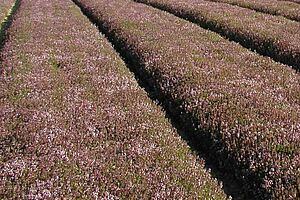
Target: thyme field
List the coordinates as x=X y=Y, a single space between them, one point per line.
x=149 y=99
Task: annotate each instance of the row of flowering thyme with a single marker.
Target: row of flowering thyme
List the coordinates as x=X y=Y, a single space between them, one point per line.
x=244 y=107
x=269 y=35
x=7 y=7
x=74 y=123
x=4 y=8
x=290 y=10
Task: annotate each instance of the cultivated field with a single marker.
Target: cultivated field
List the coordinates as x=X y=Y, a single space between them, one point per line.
x=149 y=99
x=288 y=9
x=269 y=35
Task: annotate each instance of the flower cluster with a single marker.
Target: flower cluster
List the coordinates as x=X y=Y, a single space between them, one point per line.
x=74 y=123
x=6 y=8
x=244 y=108
x=288 y=9
x=276 y=37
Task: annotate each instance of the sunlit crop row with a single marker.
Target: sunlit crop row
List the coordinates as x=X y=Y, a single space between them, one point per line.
x=75 y=124
x=269 y=35
x=244 y=107
x=5 y=7
x=288 y=9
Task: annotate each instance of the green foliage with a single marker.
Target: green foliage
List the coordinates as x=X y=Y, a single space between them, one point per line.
x=54 y=62
x=285 y=149
x=213 y=37
x=130 y=25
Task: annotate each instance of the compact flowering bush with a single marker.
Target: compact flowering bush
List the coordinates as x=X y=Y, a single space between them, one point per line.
x=75 y=124
x=244 y=108
x=288 y=9
x=269 y=35
x=6 y=9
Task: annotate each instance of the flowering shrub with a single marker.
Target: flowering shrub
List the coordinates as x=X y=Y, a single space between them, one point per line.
x=244 y=108
x=269 y=35
x=75 y=124
x=287 y=9
x=6 y=10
